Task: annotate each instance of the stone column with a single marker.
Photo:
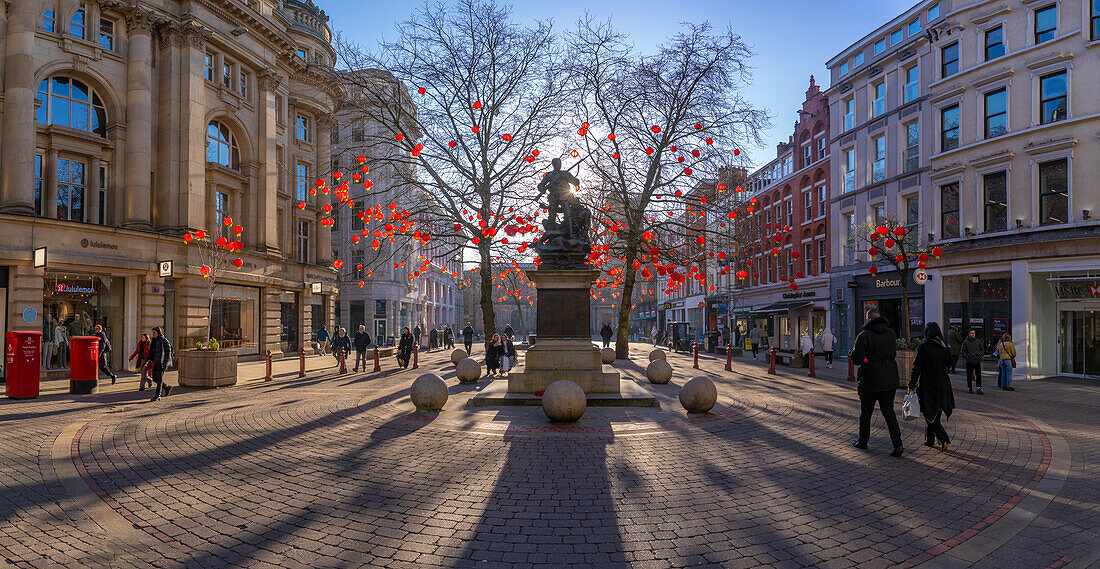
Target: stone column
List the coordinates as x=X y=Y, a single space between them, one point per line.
x=166 y=212
x=266 y=191
x=323 y=171
x=91 y=197
x=192 y=127
x=138 y=193
x=49 y=185
x=17 y=181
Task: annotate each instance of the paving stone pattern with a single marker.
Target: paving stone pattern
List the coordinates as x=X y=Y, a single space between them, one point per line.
x=335 y=471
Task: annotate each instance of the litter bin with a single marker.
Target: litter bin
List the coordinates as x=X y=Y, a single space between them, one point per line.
x=83 y=365
x=24 y=352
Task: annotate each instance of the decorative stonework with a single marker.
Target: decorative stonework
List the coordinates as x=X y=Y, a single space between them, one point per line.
x=268 y=80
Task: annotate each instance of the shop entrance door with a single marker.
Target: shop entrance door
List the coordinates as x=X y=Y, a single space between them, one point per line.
x=1079 y=343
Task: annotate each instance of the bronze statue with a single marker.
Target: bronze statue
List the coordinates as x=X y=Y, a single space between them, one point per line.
x=564 y=244
x=560 y=183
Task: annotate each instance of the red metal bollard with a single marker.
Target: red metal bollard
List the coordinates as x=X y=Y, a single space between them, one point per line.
x=812 y=373
x=851 y=368
x=377 y=365
x=416 y=356
x=343 y=361
x=695 y=349
x=729 y=357
x=302 y=362
x=771 y=366
x=268 y=376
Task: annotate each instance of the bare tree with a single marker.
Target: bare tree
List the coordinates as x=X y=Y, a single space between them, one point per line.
x=665 y=121
x=489 y=94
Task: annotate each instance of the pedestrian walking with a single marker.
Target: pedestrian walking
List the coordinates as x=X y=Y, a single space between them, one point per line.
x=341 y=343
x=806 y=347
x=754 y=341
x=933 y=386
x=320 y=343
x=362 y=341
x=468 y=338
x=653 y=334
x=1006 y=354
x=104 y=353
x=828 y=344
x=404 y=348
x=972 y=351
x=160 y=356
x=417 y=335
x=493 y=352
x=141 y=352
x=877 y=381
x=448 y=337
x=508 y=354
x=433 y=339
x=955 y=342
x=606 y=332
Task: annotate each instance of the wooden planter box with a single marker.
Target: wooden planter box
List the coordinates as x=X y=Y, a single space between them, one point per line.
x=202 y=369
x=905 y=360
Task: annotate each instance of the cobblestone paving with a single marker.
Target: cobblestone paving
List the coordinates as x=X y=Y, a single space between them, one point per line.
x=334 y=471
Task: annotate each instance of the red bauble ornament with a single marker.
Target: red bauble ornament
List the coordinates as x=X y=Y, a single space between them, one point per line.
x=655 y=129
x=421 y=90
x=238 y=263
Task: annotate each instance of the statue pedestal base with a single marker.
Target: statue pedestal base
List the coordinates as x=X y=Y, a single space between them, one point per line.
x=551 y=359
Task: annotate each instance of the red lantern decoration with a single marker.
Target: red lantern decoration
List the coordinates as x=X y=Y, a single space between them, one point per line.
x=200 y=234
x=922 y=257
x=338 y=264
x=452 y=144
x=227 y=221
x=187 y=237
x=889 y=243
x=736 y=152
x=710 y=141
x=655 y=129
x=611 y=136
x=477 y=105
x=507 y=137
x=222 y=241
x=237 y=263
x=882 y=230
x=204 y=270
x=794 y=254
x=649 y=150
x=474 y=129
x=687 y=171
x=421 y=90
x=238 y=229
x=873 y=270
x=695 y=153
x=872 y=251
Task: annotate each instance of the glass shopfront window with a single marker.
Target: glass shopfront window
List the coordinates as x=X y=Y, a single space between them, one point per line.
x=288 y=321
x=72 y=304
x=233 y=319
x=982 y=303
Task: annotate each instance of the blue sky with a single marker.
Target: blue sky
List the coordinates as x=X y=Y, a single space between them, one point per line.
x=792 y=38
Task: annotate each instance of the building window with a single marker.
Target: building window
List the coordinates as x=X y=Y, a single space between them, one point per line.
x=912 y=211
x=949 y=211
x=1054 y=192
x=879 y=214
x=77 y=23
x=301 y=183
x=357 y=263
x=1046 y=23
x=822 y=205
x=790 y=213
x=38 y=184
x=878 y=105
x=209 y=67
x=912 y=84
x=996 y=201
x=949 y=128
x=994 y=43
x=301 y=128
x=357 y=132
x=227 y=75
x=102 y=195
x=334 y=136
x=303 y=242
x=912 y=146
x=822 y=261
x=301 y=53
x=880 y=46
x=914 y=27
x=807 y=206
x=1052 y=97
x=69 y=102
x=949 y=60
x=48 y=20
x=849 y=170
x=849 y=114
x=221 y=211
x=878 y=167
x=843 y=68
x=857 y=59
x=996 y=113
x=221 y=147
x=1095 y=19
x=70 y=189
x=896 y=37
x=357 y=215
x=808 y=258
x=823 y=148
x=933 y=12
x=243 y=87
x=849 y=238
x=107 y=33
x=807 y=154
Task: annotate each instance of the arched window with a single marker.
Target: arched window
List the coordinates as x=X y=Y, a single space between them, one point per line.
x=69 y=102
x=221 y=147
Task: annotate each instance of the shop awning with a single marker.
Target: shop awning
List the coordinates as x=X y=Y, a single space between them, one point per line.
x=778 y=307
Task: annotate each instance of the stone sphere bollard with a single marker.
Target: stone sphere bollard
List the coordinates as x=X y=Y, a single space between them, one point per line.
x=698 y=395
x=458 y=355
x=468 y=371
x=607 y=355
x=563 y=401
x=428 y=393
x=657 y=354
x=659 y=372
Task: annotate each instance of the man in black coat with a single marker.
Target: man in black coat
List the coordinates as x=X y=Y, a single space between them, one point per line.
x=448 y=337
x=433 y=339
x=606 y=332
x=362 y=340
x=468 y=338
x=877 y=381
x=973 y=352
x=160 y=354
x=416 y=335
x=508 y=331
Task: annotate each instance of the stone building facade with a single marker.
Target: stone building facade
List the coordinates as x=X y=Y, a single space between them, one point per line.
x=127 y=124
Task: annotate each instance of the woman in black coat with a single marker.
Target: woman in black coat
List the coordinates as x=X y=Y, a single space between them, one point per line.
x=493 y=351
x=405 y=348
x=929 y=379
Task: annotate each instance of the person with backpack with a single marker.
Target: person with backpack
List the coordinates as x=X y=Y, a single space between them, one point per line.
x=104 y=353
x=160 y=356
x=1006 y=360
x=362 y=340
x=875 y=353
x=142 y=355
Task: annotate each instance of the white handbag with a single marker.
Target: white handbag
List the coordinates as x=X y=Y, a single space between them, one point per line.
x=910 y=406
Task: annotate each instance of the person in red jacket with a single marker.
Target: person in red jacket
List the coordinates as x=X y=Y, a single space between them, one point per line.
x=141 y=352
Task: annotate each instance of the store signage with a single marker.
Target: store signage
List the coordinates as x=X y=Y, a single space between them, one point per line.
x=887 y=283
x=800 y=294
x=74 y=289
x=920 y=276
x=666 y=305
x=165 y=268
x=327 y=279
x=85 y=243
x=315 y=288
x=40 y=257
x=380 y=307
x=1070 y=289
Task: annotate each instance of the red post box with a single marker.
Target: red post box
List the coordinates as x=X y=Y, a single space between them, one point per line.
x=23 y=358
x=83 y=365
